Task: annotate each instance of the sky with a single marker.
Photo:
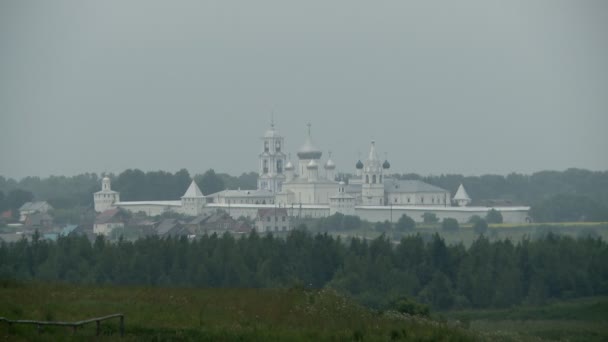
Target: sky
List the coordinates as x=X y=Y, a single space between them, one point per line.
x=469 y=87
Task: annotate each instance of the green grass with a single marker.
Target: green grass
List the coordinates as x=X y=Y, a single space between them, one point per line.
x=583 y=319
x=184 y=314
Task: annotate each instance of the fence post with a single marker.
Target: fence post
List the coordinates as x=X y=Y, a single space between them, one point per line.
x=98 y=327
x=122 y=325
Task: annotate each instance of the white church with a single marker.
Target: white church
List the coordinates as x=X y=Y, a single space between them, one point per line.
x=308 y=188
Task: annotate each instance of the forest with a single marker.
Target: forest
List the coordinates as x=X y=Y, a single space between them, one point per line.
x=375 y=272
x=555 y=196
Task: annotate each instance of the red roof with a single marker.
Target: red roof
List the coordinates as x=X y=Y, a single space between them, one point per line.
x=272 y=212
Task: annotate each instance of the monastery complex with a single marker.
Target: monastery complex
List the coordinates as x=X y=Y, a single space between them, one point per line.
x=308 y=188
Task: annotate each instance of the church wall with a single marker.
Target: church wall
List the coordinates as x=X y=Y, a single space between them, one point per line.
x=439 y=199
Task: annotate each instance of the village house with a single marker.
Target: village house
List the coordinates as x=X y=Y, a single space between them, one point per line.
x=108 y=221
x=272 y=220
x=29 y=208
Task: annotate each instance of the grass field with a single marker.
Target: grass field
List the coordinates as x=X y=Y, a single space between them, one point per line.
x=181 y=314
x=583 y=319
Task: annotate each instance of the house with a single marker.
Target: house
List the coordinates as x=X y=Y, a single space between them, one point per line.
x=108 y=221
x=219 y=223
x=272 y=220
x=29 y=208
x=173 y=227
x=38 y=220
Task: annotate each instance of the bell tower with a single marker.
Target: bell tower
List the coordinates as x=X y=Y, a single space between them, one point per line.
x=272 y=160
x=372 y=187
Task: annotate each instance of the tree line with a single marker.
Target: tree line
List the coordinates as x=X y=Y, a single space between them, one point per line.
x=570 y=195
x=375 y=272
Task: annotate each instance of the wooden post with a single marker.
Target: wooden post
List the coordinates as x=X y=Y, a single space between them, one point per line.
x=74 y=329
x=39 y=329
x=98 y=327
x=122 y=325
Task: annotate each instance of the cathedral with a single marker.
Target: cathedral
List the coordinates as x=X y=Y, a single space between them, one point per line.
x=308 y=187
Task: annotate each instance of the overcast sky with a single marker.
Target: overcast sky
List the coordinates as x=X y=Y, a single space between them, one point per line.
x=470 y=87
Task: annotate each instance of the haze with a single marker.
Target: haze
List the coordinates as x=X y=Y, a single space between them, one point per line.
x=468 y=87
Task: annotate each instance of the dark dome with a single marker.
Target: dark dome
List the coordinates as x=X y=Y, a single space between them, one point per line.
x=386 y=165
x=359 y=165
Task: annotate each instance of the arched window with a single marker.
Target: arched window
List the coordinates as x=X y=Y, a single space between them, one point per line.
x=366 y=179
x=279 y=166
x=380 y=179
x=265 y=146
x=373 y=179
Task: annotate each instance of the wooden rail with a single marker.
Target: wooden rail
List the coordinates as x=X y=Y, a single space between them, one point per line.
x=74 y=325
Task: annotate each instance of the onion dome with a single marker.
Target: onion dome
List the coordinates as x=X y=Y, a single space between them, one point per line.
x=386 y=165
x=330 y=164
x=308 y=150
x=359 y=165
x=289 y=166
x=312 y=165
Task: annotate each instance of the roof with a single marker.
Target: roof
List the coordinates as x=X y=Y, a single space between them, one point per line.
x=193 y=191
x=243 y=193
x=400 y=186
x=160 y=203
x=272 y=212
x=461 y=194
x=342 y=195
x=35 y=206
x=109 y=216
x=65 y=231
x=166 y=225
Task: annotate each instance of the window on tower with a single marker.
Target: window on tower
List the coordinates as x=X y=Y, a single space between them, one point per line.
x=279 y=166
x=265 y=146
x=277 y=146
x=265 y=166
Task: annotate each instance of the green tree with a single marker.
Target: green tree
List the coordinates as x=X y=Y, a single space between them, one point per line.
x=210 y=182
x=449 y=224
x=405 y=223
x=430 y=218
x=480 y=226
x=494 y=216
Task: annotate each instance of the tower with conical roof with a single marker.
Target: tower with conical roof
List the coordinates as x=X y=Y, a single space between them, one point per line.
x=461 y=197
x=272 y=160
x=372 y=187
x=193 y=200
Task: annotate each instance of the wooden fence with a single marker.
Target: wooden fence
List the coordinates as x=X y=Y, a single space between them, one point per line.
x=74 y=325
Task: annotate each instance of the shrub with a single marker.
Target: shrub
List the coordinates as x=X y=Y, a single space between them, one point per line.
x=449 y=224
x=494 y=216
x=481 y=226
x=405 y=223
x=430 y=218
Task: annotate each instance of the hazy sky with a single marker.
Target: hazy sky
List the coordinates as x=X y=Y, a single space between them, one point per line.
x=469 y=87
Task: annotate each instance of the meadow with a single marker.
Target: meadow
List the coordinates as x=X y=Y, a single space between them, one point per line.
x=583 y=319
x=188 y=314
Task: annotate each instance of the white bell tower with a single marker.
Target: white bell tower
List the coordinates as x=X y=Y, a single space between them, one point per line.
x=372 y=187
x=105 y=199
x=272 y=161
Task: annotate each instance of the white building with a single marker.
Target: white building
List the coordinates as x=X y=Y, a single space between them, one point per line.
x=272 y=161
x=106 y=198
x=309 y=189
